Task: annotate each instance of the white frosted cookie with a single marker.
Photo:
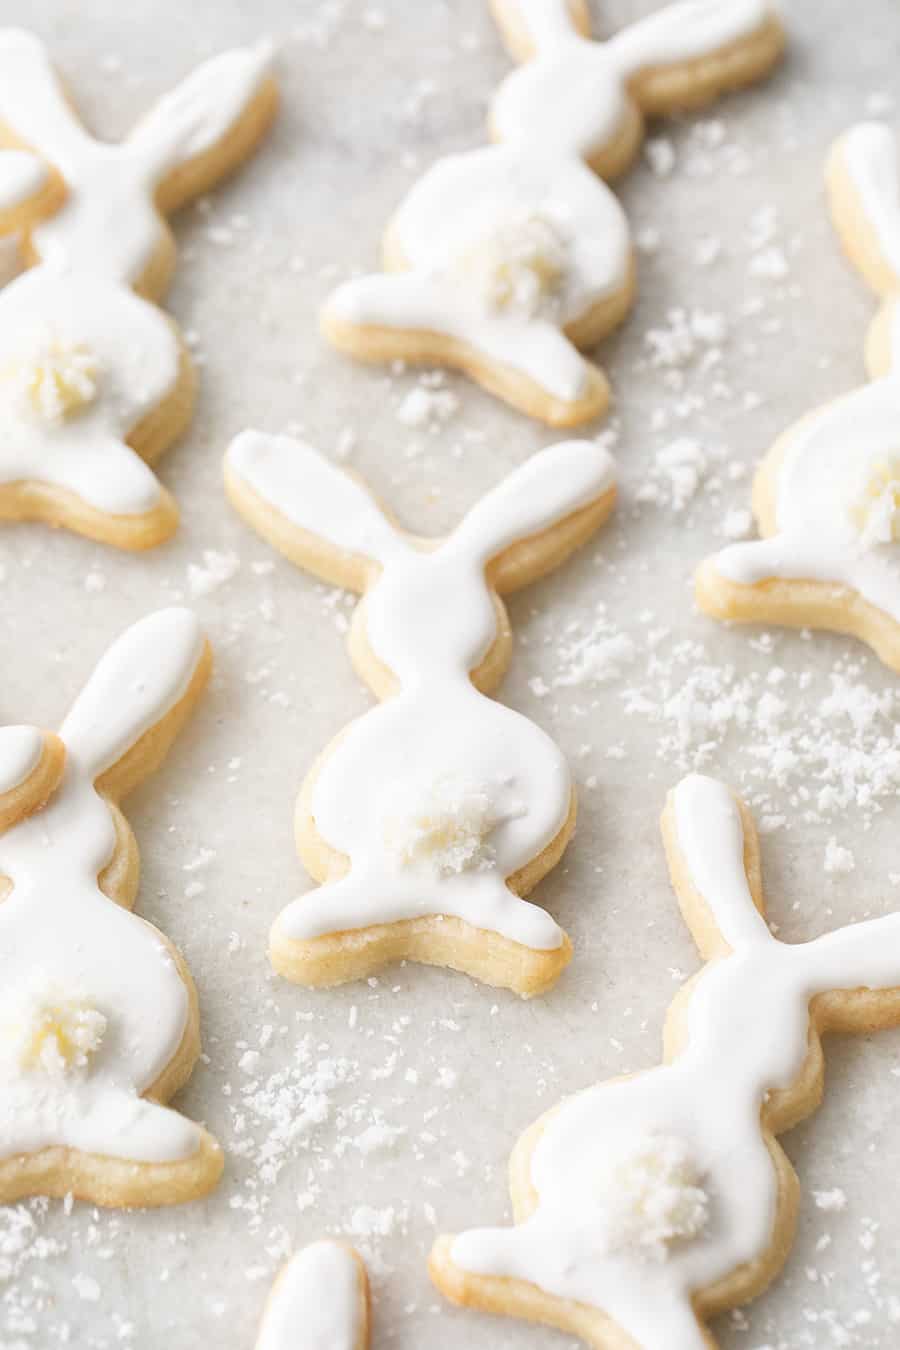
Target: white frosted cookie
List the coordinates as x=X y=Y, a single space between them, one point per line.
x=505 y=261
x=320 y=1301
x=98 y=1013
x=95 y=381
x=827 y=495
x=430 y=817
x=649 y=1204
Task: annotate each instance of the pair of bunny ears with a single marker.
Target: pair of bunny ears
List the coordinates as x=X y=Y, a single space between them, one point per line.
x=97 y=207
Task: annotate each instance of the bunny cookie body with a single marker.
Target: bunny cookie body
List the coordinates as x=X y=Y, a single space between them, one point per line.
x=430 y=816
x=95 y=382
x=827 y=495
x=648 y=1204
x=505 y=261
x=98 y=1008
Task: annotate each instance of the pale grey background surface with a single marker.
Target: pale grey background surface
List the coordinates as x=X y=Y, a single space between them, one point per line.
x=771 y=326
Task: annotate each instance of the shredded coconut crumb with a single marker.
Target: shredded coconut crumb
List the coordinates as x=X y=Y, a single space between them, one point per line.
x=651 y=1197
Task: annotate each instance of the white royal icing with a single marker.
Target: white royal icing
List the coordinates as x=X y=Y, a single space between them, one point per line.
x=134 y=352
x=573 y=97
x=567 y=102
x=708 y=1100
x=838 y=482
x=109 y=225
x=91 y=251
x=317 y=1302
x=92 y=1006
x=869 y=154
x=22 y=176
x=21 y=749
x=438 y=743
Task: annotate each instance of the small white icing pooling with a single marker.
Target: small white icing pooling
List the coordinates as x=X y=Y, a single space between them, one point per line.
x=20 y=753
x=708 y=1099
x=93 y=1007
x=91 y=251
x=569 y=102
x=429 y=618
x=836 y=499
x=317 y=1303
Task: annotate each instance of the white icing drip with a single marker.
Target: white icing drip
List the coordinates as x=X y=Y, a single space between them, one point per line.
x=101 y=241
x=88 y=951
x=429 y=618
x=735 y=1054
x=22 y=175
x=569 y=102
x=317 y=1303
x=869 y=153
x=20 y=753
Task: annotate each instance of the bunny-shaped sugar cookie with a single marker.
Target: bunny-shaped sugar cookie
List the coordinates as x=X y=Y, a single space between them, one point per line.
x=649 y=1204
x=504 y=261
x=98 y=1013
x=95 y=381
x=429 y=817
x=827 y=495
x=320 y=1301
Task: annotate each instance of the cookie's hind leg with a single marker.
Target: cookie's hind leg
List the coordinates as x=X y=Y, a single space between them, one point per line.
x=350 y=928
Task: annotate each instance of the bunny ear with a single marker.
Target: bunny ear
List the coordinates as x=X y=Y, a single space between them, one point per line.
x=520 y=524
x=321 y=1298
x=144 y=675
x=531 y=26
x=29 y=189
x=313 y=512
x=864 y=193
x=33 y=106
x=31 y=765
x=193 y=122
x=653 y=54
x=714 y=864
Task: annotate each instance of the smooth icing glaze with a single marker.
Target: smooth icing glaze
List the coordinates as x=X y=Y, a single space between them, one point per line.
x=429 y=618
x=69 y=955
x=136 y=350
x=20 y=753
x=569 y=102
x=317 y=1303
x=869 y=153
x=109 y=225
x=91 y=251
x=835 y=504
x=573 y=98
x=456 y=206
x=22 y=176
x=732 y=1059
